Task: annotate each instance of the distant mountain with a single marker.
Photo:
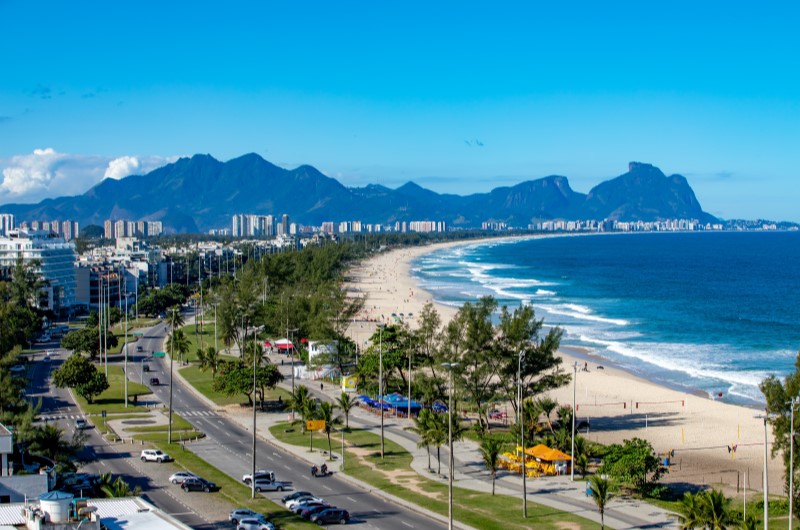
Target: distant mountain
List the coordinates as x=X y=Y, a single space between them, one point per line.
x=198 y=193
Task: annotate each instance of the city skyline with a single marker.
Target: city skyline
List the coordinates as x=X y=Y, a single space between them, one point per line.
x=456 y=97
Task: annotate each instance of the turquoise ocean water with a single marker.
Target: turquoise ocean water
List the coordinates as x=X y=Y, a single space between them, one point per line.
x=715 y=312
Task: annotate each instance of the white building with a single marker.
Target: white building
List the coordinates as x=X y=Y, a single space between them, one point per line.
x=56 y=265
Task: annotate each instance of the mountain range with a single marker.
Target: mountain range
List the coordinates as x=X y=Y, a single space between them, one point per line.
x=198 y=193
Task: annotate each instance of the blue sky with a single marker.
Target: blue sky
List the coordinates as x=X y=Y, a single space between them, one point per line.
x=458 y=97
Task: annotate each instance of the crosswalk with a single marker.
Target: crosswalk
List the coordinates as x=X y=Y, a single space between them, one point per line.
x=61 y=417
x=196 y=413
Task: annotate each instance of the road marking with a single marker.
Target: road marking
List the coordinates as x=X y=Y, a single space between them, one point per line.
x=407 y=524
x=351 y=499
x=327 y=487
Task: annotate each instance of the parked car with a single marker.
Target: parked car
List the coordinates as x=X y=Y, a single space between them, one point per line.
x=295 y=495
x=80 y=424
x=198 y=484
x=154 y=381
x=254 y=524
x=308 y=512
x=262 y=484
x=240 y=514
x=298 y=508
x=260 y=474
x=497 y=415
x=180 y=476
x=155 y=455
x=331 y=515
x=300 y=500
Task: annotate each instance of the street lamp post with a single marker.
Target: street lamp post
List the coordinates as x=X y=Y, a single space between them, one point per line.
x=765 y=417
x=380 y=379
x=410 y=355
x=290 y=336
x=126 y=343
x=171 y=358
x=253 y=476
x=792 y=402
x=450 y=367
x=574 y=413
x=521 y=423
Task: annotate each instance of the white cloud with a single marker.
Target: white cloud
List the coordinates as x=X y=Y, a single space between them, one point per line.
x=46 y=173
x=122 y=167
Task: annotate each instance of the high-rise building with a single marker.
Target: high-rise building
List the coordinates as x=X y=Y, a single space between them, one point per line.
x=7 y=223
x=108 y=229
x=285 y=223
x=55 y=260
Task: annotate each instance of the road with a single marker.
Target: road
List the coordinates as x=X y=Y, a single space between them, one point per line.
x=229 y=447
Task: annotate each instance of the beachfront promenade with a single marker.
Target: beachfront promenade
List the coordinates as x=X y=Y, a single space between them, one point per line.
x=556 y=492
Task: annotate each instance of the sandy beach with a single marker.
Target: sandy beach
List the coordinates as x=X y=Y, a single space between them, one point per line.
x=618 y=404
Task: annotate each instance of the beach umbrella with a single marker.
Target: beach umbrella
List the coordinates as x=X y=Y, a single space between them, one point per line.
x=284 y=344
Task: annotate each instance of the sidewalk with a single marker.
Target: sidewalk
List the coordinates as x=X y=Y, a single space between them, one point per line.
x=559 y=493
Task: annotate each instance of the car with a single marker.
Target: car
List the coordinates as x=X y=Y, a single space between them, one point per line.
x=154 y=381
x=139 y=349
x=155 y=455
x=80 y=424
x=240 y=514
x=300 y=500
x=331 y=515
x=308 y=512
x=145 y=368
x=296 y=494
x=298 y=508
x=180 y=476
x=17 y=369
x=497 y=415
x=262 y=484
x=260 y=474
x=198 y=484
x=46 y=359
x=254 y=524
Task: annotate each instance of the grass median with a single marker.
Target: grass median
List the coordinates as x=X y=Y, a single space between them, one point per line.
x=394 y=475
x=112 y=400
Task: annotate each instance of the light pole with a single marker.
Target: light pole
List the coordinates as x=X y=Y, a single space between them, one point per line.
x=126 y=343
x=410 y=354
x=290 y=335
x=171 y=358
x=253 y=476
x=449 y=367
x=765 y=417
x=216 y=343
x=792 y=402
x=521 y=424
x=380 y=380
x=572 y=453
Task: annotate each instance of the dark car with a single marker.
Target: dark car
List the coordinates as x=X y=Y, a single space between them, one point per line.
x=198 y=484
x=145 y=368
x=295 y=495
x=298 y=509
x=313 y=510
x=331 y=515
x=154 y=381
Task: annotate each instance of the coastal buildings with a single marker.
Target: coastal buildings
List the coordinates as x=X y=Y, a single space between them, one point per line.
x=124 y=228
x=54 y=260
x=6 y=223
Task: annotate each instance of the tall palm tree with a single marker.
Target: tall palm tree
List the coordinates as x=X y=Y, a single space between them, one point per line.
x=325 y=412
x=300 y=401
x=690 y=511
x=179 y=342
x=346 y=403
x=601 y=490
x=716 y=510
x=546 y=405
x=422 y=429
x=175 y=318
x=490 y=451
x=437 y=435
x=209 y=360
x=582 y=455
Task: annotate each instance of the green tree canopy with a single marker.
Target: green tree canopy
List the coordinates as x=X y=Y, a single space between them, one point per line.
x=634 y=463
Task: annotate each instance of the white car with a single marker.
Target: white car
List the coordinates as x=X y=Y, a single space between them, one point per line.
x=180 y=476
x=300 y=500
x=155 y=455
x=260 y=474
x=254 y=524
x=240 y=514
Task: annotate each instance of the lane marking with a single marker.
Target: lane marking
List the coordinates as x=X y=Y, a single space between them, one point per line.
x=407 y=524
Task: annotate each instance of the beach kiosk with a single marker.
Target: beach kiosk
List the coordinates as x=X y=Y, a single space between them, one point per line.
x=549 y=461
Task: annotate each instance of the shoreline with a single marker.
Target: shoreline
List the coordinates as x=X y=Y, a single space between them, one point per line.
x=619 y=404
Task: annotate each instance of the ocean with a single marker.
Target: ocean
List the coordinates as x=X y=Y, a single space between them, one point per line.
x=715 y=312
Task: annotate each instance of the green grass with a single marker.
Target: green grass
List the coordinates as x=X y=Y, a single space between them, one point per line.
x=477 y=509
x=177 y=436
x=232 y=490
x=203 y=382
x=194 y=339
x=112 y=399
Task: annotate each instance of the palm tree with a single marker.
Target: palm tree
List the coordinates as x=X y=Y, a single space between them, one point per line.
x=346 y=403
x=437 y=434
x=175 y=317
x=422 y=429
x=325 y=412
x=179 y=342
x=690 y=511
x=117 y=488
x=707 y=509
x=209 y=360
x=581 y=455
x=601 y=490
x=546 y=405
x=490 y=451
x=300 y=402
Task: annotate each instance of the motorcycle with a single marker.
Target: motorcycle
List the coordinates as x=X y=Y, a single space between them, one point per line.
x=320 y=472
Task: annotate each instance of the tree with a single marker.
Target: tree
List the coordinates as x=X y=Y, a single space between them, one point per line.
x=423 y=429
x=708 y=509
x=115 y=488
x=303 y=403
x=490 y=451
x=634 y=463
x=178 y=343
x=79 y=373
x=346 y=403
x=209 y=360
x=325 y=412
x=601 y=490
x=778 y=396
x=237 y=378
